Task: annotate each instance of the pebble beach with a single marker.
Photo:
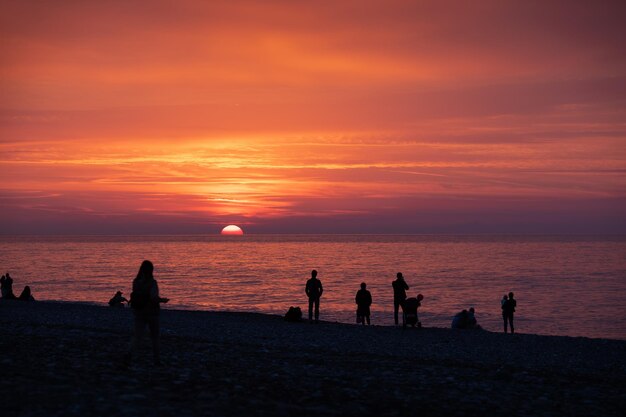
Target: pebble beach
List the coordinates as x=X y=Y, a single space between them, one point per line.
x=60 y=359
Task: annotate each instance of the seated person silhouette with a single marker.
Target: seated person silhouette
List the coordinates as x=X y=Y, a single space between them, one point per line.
x=409 y=311
x=472 y=323
x=118 y=300
x=26 y=295
x=460 y=320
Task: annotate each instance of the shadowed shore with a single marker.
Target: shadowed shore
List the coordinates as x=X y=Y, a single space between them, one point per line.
x=66 y=359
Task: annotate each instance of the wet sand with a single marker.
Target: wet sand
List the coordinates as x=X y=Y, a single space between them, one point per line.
x=66 y=359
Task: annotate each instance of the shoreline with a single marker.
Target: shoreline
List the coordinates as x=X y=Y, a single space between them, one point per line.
x=64 y=358
x=347 y=323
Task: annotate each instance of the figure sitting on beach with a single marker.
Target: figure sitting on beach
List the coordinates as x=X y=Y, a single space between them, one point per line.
x=7 y=287
x=314 y=290
x=409 y=311
x=363 y=301
x=465 y=320
x=508 y=308
x=399 y=294
x=118 y=300
x=145 y=302
x=459 y=321
x=26 y=295
x=472 y=323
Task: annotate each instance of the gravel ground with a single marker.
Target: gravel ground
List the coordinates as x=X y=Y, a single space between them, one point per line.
x=66 y=359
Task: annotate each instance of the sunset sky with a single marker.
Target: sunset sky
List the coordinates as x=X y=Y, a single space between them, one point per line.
x=312 y=116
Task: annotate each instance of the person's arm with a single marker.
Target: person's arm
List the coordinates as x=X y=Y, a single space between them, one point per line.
x=307 y=290
x=369 y=299
x=321 y=289
x=406 y=286
x=154 y=294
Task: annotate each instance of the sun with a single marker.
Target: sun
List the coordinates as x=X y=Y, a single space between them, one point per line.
x=232 y=230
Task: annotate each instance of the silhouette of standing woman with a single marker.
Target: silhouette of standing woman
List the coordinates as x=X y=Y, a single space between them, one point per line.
x=314 y=291
x=145 y=302
x=399 y=294
x=508 y=308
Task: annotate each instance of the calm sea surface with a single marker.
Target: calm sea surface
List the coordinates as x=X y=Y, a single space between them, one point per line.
x=564 y=285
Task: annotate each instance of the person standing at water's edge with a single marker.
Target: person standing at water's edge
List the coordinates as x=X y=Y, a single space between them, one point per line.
x=508 y=308
x=399 y=294
x=363 y=301
x=145 y=302
x=314 y=291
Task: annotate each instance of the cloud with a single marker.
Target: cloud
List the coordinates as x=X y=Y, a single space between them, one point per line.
x=198 y=111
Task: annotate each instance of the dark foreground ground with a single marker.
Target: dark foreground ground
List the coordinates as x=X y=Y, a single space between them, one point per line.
x=66 y=359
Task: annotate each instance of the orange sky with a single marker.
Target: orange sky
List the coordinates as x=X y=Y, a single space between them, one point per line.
x=290 y=116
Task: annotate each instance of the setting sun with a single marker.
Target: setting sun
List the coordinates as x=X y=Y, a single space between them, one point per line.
x=232 y=230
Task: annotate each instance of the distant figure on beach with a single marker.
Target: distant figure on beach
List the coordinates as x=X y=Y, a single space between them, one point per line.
x=508 y=308
x=7 y=287
x=409 y=311
x=459 y=321
x=472 y=323
x=399 y=294
x=294 y=314
x=145 y=302
x=314 y=290
x=118 y=300
x=465 y=320
x=2 y=281
x=363 y=301
x=26 y=295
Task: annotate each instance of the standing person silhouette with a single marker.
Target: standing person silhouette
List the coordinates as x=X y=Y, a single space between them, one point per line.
x=399 y=294
x=314 y=291
x=8 y=288
x=508 y=308
x=145 y=302
x=363 y=301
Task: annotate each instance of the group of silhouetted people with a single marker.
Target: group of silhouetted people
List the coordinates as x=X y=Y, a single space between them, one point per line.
x=363 y=300
x=6 y=285
x=465 y=319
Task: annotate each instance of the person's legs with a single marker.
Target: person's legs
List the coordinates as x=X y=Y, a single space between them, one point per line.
x=368 y=319
x=153 y=323
x=511 y=323
x=505 y=320
x=317 y=309
x=396 y=306
x=140 y=325
x=310 y=309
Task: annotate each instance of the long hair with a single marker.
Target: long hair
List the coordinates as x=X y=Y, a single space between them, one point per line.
x=145 y=272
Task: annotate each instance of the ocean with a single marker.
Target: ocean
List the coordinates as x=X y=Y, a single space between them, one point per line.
x=564 y=285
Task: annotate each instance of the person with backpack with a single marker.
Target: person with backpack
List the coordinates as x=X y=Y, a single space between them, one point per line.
x=145 y=302
x=508 y=308
x=314 y=290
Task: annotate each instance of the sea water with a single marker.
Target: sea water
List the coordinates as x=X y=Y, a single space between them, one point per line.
x=564 y=285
